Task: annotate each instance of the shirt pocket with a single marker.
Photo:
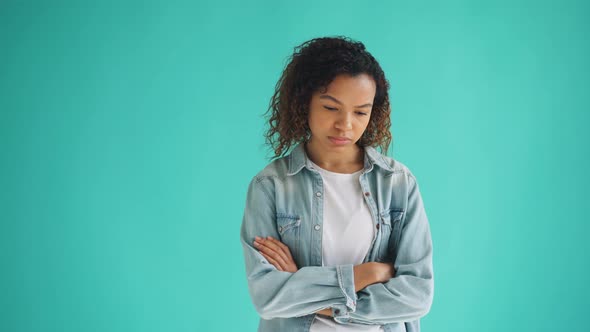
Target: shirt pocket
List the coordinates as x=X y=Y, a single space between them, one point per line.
x=288 y=227
x=390 y=229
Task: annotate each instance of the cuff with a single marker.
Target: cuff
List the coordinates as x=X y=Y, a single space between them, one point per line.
x=346 y=283
x=340 y=313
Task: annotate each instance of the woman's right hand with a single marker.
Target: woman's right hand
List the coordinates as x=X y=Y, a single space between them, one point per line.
x=277 y=253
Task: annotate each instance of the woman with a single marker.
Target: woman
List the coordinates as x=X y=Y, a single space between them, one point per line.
x=335 y=235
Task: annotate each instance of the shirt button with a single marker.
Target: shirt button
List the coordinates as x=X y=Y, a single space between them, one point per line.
x=367 y=194
x=377 y=226
x=337 y=311
x=316 y=227
x=318 y=194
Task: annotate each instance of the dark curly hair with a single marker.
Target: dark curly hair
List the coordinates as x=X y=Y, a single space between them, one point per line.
x=313 y=66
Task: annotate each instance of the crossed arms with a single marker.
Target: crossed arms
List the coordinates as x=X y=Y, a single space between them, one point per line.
x=279 y=255
x=370 y=293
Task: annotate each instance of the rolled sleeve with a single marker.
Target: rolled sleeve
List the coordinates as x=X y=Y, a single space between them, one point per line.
x=409 y=295
x=341 y=312
x=346 y=282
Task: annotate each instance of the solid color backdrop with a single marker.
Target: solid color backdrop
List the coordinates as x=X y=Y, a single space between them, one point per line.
x=129 y=132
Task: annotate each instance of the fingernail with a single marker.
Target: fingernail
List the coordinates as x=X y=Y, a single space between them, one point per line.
x=256 y=243
x=257 y=237
x=270 y=237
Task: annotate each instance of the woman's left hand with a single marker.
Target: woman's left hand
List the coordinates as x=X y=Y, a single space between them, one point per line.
x=277 y=253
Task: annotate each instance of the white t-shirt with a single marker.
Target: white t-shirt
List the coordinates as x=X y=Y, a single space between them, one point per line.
x=347 y=235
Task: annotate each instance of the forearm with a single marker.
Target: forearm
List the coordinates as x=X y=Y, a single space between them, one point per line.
x=325 y=312
x=363 y=277
x=409 y=295
x=404 y=298
x=278 y=294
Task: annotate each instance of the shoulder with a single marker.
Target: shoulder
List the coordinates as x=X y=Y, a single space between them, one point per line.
x=276 y=169
x=402 y=180
x=389 y=164
x=393 y=167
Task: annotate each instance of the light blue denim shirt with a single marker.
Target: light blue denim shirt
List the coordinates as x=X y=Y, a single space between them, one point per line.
x=285 y=200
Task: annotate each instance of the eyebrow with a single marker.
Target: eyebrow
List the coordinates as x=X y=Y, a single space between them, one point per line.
x=338 y=102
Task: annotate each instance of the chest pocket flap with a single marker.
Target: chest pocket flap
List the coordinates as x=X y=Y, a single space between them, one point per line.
x=390 y=221
x=288 y=227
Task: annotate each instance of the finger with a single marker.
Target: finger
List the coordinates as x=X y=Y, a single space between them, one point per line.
x=272 y=261
x=258 y=243
x=273 y=249
x=276 y=248
x=283 y=246
x=264 y=247
x=289 y=262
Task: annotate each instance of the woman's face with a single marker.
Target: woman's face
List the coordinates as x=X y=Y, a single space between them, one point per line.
x=338 y=117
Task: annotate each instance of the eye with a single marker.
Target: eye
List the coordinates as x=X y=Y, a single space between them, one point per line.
x=330 y=108
x=361 y=113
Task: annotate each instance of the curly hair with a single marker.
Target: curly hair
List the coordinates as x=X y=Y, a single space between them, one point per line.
x=312 y=67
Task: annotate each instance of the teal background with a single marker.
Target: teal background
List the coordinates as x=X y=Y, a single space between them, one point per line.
x=129 y=132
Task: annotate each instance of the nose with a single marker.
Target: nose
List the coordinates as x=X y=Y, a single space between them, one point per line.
x=344 y=122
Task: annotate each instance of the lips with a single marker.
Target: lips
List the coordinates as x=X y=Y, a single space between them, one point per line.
x=336 y=138
x=339 y=140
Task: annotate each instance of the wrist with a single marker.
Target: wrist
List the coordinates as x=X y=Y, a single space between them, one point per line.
x=363 y=276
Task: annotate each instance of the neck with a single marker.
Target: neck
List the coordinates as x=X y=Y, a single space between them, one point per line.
x=344 y=161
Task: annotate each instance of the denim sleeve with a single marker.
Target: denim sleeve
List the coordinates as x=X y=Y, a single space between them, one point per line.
x=283 y=294
x=408 y=296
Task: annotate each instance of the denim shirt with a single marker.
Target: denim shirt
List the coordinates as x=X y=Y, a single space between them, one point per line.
x=285 y=201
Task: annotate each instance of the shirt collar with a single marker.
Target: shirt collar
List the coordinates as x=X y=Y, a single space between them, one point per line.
x=298 y=159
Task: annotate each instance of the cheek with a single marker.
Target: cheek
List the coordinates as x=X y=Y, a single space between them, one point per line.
x=318 y=121
x=311 y=121
x=363 y=121
x=362 y=125
x=314 y=123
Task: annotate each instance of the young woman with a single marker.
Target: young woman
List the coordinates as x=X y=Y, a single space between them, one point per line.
x=334 y=233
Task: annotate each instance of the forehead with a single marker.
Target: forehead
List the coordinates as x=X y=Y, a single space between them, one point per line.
x=354 y=89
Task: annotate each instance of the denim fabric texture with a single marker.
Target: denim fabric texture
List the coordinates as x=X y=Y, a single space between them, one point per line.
x=285 y=200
